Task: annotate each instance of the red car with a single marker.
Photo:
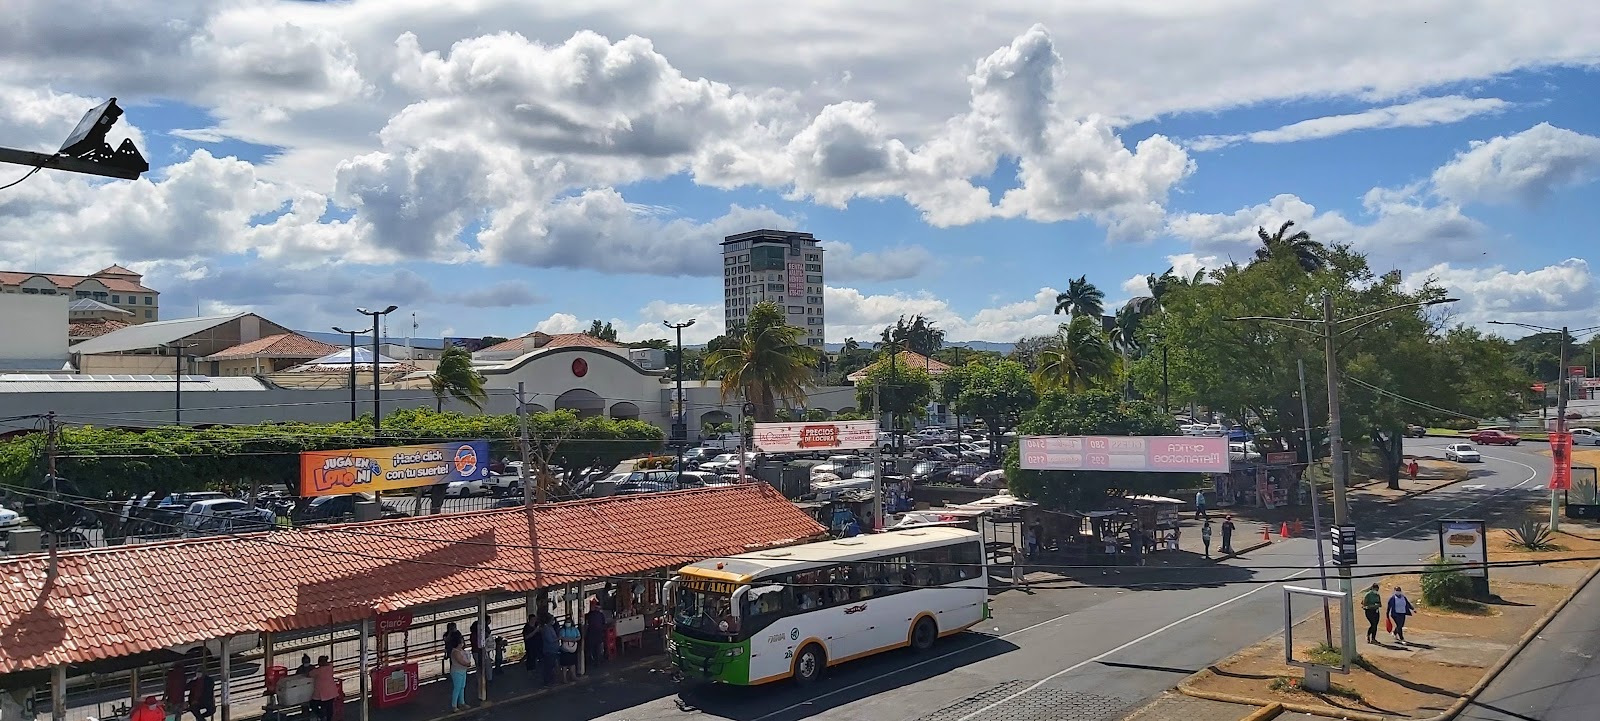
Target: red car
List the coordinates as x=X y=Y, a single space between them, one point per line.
x=1495 y=438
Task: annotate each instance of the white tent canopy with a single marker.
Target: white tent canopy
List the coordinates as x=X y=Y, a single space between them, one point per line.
x=362 y=356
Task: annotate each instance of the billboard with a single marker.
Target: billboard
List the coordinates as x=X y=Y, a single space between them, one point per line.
x=1462 y=541
x=470 y=345
x=811 y=437
x=1147 y=454
x=369 y=470
x=797 y=279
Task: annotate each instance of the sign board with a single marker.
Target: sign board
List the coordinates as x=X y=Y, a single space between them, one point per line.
x=1583 y=498
x=1148 y=454
x=1282 y=458
x=1589 y=383
x=1537 y=387
x=823 y=436
x=797 y=279
x=1577 y=371
x=1463 y=541
x=1560 y=461
x=369 y=470
x=1344 y=545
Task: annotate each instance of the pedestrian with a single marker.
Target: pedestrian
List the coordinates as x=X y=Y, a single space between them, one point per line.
x=150 y=710
x=1412 y=469
x=172 y=697
x=1030 y=542
x=1205 y=538
x=1227 y=535
x=499 y=654
x=460 y=664
x=1172 y=539
x=478 y=642
x=324 y=688
x=1200 y=504
x=1371 y=603
x=571 y=638
x=595 y=626
x=549 y=648
x=203 y=696
x=1400 y=608
x=452 y=639
x=530 y=644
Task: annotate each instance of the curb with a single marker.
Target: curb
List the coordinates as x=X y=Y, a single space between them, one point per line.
x=1240 y=552
x=1265 y=713
x=1186 y=688
x=1413 y=494
x=584 y=680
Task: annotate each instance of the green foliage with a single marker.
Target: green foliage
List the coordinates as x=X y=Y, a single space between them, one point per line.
x=769 y=360
x=1096 y=412
x=1079 y=358
x=105 y=461
x=1081 y=299
x=1443 y=583
x=997 y=393
x=455 y=378
x=1532 y=535
x=1027 y=350
x=600 y=330
x=1457 y=424
x=815 y=415
x=918 y=335
x=904 y=391
x=853 y=416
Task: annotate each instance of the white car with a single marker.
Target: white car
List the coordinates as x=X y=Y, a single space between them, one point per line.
x=721 y=463
x=1462 y=453
x=463 y=489
x=9 y=518
x=1585 y=437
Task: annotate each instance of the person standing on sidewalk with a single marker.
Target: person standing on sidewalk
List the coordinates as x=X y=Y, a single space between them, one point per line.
x=1200 y=504
x=460 y=664
x=1227 y=535
x=549 y=649
x=1412 y=468
x=324 y=688
x=1371 y=603
x=1400 y=608
x=1205 y=538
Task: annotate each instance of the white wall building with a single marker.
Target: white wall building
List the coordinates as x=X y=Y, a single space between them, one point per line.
x=33 y=332
x=782 y=266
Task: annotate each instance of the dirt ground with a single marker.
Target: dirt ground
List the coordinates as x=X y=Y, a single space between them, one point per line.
x=1448 y=649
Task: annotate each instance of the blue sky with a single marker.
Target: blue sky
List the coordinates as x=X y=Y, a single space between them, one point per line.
x=311 y=158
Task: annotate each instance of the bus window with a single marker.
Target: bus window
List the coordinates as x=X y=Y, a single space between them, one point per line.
x=705 y=612
x=763 y=605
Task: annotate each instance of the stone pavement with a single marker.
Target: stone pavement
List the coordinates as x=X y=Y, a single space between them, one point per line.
x=1174 y=706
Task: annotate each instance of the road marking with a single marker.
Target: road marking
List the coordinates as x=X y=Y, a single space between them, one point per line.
x=1476 y=487
x=1146 y=637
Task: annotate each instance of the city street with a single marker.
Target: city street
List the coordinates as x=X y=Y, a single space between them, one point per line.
x=1087 y=650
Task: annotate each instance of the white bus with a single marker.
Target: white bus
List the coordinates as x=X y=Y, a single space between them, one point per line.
x=793 y=612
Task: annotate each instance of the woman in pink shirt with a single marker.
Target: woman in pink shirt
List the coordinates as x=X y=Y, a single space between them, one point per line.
x=324 y=688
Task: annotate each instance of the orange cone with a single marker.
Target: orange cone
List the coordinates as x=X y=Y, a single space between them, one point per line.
x=1283 y=530
x=1299 y=528
x=1266 y=532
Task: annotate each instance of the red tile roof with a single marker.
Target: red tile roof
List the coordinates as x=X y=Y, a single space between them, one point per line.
x=117 y=601
x=906 y=359
x=282 y=345
x=118 y=279
x=93 y=327
x=536 y=340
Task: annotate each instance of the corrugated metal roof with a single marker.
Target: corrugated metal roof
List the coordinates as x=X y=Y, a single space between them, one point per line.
x=151 y=335
x=41 y=383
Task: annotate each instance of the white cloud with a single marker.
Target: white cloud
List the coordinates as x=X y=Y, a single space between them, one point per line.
x=896 y=263
x=1525 y=167
x=853 y=314
x=648 y=323
x=1567 y=293
x=1415 y=114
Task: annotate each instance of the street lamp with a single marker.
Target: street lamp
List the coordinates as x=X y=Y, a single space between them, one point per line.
x=680 y=424
x=86 y=150
x=177 y=394
x=377 y=380
x=352 y=359
x=1330 y=330
x=1562 y=380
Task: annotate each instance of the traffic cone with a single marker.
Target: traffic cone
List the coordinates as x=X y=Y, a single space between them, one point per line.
x=1299 y=528
x=1266 y=533
x=1283 y=530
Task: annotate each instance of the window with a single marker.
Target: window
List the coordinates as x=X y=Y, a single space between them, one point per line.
x=766 y=258
x=149 y=300
x=30 y=291
x=816 y=341
x=116 y=299
x=149 y=314
x=730 y=260
x=83 y=294
x=814 y=267
x=813 y=320
x=796 y=309
x=775 y=286
x=814 y=256
x=813 y=279
x=814 y=300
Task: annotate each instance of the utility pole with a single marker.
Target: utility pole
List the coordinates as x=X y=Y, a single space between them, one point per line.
x=1563 y=379
x=1341 y=509
x=680 y=420
x=51 y=444
x=177 y=394
x=1165 y=402
x=1316 y=503
x=377 y=367
x=522 y=444
x=877 y=465
x=354 y=416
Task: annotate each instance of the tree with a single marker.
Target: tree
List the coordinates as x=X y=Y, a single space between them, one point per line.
x=1063 y=413
x=603 y=331
x=997 y=393
x=1028 y=349
x=1308 y=254
x=490 y=340
x=904 y=391
x=769 y=361
x=1081 y=298
x=656 y=343
x=1078 y=358
x=456 y=378
x=918 y=335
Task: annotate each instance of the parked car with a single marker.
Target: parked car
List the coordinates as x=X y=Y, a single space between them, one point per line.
x=9 y=518
x=1585 y=437
x=1493 y=437
x=201 y=513
x=698 y=479
x=930 y=472
x=966 y=473
x=508 y=503
x=1415 y=431
x=1462 y=453
x=721 y=462
x=635 y=488
x=334 y=508
x=463 y=489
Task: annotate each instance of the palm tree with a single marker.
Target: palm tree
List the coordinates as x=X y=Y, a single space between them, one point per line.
x=1147 y=305
x=1125 y=332
x=455 y=378
x=1077 y=358
x=919 y=335
x=1081 y=299
x=1310 y=255
x=765 y=362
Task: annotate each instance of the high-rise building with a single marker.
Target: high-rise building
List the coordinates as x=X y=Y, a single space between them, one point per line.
x=782 y=266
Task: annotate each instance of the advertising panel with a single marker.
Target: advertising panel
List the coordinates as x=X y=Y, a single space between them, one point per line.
x=1561 y=461
x=812 y=437
x=1147 y=454
x=797 y=279
x=369 y=470
x=1462 y=541
x=470 y=345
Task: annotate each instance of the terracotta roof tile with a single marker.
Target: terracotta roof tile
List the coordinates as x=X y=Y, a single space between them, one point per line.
x=906 y=359
x=536 y=340
x=93 y=327
x=282 y=345
x=121 y=600
x=67 y=282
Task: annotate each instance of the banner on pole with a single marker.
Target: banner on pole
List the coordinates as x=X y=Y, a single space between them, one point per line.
x=1561 y=461
x=823 y=436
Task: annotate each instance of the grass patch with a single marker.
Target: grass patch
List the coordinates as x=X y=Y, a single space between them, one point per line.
x=1325 y=654
x=1285 y=684
x=1463 y=606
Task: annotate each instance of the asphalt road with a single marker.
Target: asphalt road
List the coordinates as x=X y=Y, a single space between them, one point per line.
x=1557 y=677
x=1087 y=651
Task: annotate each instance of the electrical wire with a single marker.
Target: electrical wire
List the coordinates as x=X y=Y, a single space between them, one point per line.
x=19 y=180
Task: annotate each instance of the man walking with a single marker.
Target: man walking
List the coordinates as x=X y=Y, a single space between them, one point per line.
x=1400 y=608
x=1371 y=603
x=1227 y=535
x=1200 y=504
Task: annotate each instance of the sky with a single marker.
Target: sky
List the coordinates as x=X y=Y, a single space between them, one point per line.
x=496 y=167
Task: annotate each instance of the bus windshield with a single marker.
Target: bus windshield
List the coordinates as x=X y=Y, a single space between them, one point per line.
x=705 y=611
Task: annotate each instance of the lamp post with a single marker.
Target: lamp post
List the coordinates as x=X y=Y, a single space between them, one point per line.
x=352 y=359
x=377 y=378
x=1328 y=328
x=680 y=424
x=1563 y=381
x=177 y=392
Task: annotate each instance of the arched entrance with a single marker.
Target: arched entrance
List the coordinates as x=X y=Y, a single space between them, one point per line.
x=582 y=401
x=721 y=418
x=534 y=408
x=625 y=411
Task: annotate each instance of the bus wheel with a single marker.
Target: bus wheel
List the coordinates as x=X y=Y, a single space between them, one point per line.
x=924 y=634
x=808 y=666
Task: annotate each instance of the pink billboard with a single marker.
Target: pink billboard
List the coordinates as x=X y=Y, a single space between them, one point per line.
x=1146 y=454
x=797 y=279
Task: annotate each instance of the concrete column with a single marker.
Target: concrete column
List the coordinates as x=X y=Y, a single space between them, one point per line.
x=366 y=670
x=486 y=650
x=225 y=670
x=58 y=693
x=133 y=688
